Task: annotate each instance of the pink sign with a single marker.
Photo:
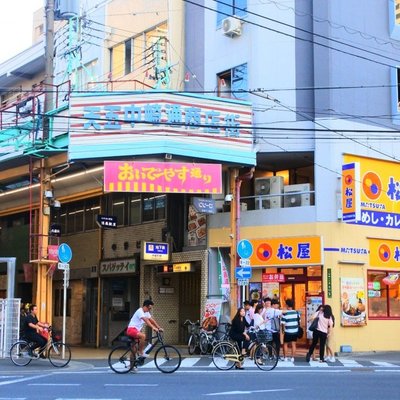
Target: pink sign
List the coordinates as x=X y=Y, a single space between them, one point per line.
x=162 y=177
x=273 y=278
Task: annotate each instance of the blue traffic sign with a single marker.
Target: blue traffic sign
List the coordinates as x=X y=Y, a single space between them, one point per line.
x=244 y=249
x=243 y=273
x=64 y=253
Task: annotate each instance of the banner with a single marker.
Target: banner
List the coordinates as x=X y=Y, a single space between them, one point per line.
x=352 y=294
x=223 y=277
x=212 y=313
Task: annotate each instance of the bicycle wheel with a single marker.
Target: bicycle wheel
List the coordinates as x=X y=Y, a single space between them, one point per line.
x=59 y=354
x=265 y=357
x=203 y=343
x=20 y=353
x=192 y=344
x=225 y=355
x=121 y=359
x=167 y=359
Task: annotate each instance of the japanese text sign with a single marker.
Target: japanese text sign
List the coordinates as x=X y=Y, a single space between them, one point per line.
x=155 y=251
x=117 y=267
x=287 y=251
x=162 y=177
x=384 y=253
x=351 y=192
x=379 y=184
x=273 y=277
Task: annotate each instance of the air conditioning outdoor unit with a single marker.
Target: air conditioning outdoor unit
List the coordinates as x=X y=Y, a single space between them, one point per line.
x=293 y=196
x=269 y=186
x=231 y=27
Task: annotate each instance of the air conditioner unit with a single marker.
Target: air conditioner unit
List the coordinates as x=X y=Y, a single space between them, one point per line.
x=269 y=186
x=232 y=27
x=293 y=196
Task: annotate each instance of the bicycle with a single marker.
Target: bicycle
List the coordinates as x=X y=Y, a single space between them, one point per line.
x=226 y=354
x=194 y=335
x=123 y=358
x=208 y=340
x=58 y=353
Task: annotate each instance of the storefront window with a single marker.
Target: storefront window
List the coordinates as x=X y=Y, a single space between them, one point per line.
x=314 y=271
x=383 y=294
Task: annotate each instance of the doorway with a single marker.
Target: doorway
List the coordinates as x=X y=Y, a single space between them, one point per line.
x=296 y=292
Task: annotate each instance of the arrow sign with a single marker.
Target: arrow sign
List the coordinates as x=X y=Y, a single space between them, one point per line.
x=243 y=273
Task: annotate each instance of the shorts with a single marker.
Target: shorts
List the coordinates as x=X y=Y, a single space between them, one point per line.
x=132 y=332
x=289 y=337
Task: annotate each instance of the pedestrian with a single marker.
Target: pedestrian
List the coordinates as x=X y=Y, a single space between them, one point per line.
x=325 y=324
x=330 y=344
x=314 y=355
x=238 y=333
x=33 y=328
x=267 y=306
x=250 y=307
x=259 y=322
x=290 y=323
x=273 y=323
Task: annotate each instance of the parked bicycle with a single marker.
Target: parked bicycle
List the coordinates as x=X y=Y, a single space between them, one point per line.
x=208 y=339
x=194 y=336
x=59 y=354
x=226 y=354
x=124 y=357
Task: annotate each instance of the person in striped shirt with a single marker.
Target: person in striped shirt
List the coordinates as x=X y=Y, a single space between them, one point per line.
x=290 y=323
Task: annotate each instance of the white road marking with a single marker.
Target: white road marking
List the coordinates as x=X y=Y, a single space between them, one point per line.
x=131 y=384
x=9 y=377
x=189 y=362
x=318 y=364
x=85 y=398
x=23 y=379
x=350 y=363
x=54 y=384
x=384 y=364
x=236 y=392
x=150 y=364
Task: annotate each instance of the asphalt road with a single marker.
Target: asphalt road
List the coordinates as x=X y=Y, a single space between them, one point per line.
x=83 y=380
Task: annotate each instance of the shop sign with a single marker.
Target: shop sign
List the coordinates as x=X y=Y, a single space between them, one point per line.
x=106 y=221
x=206 y=206
x=379 y=187
x=153 y=251
x=212 y=312
x=196 y=227
x=180 y=267
x=162 y=177
x=280 y=278
x=289 y=251
x=117 y=267
x=242 y=282
x=374 y=286
x=111 y=125
x=374 y=293
x=352 y=295
x=384 y=253
x=351 y=209
x=329 y=281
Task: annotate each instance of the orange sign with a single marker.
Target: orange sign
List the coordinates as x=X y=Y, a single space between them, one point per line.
x=287 y=251
x=384 y=253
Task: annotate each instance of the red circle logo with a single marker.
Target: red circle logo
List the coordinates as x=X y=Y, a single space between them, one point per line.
x=384 y=252
x=264 y=252
x=348 y=180
x=372 y=185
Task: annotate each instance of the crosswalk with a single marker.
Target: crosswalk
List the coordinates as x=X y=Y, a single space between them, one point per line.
x=206 y=362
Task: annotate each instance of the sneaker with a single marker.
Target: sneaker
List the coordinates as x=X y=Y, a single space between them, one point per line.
x=286 y=359
x=292 y=360
x=328 y=359
x=281 y=358
x=332 y=359
x=134 y=370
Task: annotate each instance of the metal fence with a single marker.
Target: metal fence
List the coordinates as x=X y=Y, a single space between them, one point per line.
x=9 y=324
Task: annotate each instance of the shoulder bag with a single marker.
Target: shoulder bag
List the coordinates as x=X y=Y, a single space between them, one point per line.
x=300 y=330
x=314 y=324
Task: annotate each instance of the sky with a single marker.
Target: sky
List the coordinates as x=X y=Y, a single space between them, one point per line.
x=16 y=17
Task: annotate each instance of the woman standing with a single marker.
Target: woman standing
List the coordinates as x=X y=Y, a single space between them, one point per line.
x=238 y=332
x=330 y=355
x=325 y=324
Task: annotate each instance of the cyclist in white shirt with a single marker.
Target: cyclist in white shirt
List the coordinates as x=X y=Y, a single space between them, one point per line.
x=141 y=317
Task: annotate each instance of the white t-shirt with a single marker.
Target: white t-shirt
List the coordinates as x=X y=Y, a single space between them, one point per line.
x=137 y=319
x=259 y=321
x=269 y=315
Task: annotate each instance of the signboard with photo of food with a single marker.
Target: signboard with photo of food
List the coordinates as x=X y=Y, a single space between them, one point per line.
x=352 y=293
x=197 y=227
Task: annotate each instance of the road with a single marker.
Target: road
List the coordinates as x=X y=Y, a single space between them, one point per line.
x=87 y=380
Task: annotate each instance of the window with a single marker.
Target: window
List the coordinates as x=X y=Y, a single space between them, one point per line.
x=75 y=217
x=231 y=7
x=118 y=208
x=155 y=45
x=233 y=83
x=92 y=209
x=128 y=56
x=135 y=205
x=59 y=302
x=154 y=207
x=383 y=294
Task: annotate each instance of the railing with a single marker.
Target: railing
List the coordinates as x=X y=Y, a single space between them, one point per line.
x=122 y=84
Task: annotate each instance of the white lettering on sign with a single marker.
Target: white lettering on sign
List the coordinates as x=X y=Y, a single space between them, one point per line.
x=117 y=267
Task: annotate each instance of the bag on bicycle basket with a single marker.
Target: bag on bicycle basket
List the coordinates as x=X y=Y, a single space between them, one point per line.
x=263 y=336
x=210 y=324
x=44 y=333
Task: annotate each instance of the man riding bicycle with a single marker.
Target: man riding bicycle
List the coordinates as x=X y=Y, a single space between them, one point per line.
x=140 y=317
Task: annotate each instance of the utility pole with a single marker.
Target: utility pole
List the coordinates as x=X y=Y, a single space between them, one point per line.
x=44 y=298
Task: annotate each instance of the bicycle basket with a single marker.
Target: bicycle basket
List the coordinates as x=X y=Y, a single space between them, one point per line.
x=194 y=329
x=263 y=336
